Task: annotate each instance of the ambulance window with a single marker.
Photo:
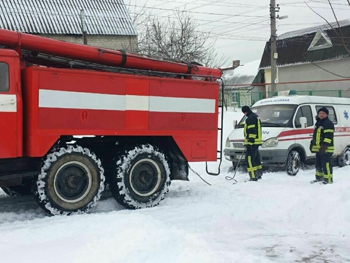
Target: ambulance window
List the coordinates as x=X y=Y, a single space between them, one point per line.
x=304 y=111
x=332 y=116
x=4 y=77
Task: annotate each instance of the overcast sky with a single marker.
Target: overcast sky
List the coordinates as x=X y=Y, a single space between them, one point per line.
x=241 y=28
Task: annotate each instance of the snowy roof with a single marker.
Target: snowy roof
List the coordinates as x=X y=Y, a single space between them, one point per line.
x=299 y=47
x=244 y=74
x=310 y=30
x=102 y=17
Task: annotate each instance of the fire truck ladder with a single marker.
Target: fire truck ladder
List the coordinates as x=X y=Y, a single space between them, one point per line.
x=220 y=130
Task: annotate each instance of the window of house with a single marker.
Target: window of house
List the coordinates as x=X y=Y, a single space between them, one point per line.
x=4 y=77
x=235 y=97
x=332 y=116
x=320 y=41
x=304 y=111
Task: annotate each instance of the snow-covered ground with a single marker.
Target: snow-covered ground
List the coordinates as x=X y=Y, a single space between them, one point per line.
x=278 y=219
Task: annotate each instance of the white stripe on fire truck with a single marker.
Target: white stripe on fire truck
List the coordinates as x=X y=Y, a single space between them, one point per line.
x=134 y=102
x=8 y=103
x=96 y=101
x=166 y=104
x=80 y=100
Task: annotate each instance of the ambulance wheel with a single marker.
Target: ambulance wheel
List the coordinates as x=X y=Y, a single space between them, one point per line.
x=71 y=181
x=344 y=158
x=142 y=177
x=293 y=163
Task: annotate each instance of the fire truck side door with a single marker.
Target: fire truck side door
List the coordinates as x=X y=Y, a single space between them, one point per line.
x=8 y=112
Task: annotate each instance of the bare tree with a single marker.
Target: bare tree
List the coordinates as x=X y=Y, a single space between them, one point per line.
x=139 y=13
x=175 y=38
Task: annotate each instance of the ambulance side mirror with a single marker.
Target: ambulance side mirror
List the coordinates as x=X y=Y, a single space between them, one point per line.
x=303 y=122
x=234 y=123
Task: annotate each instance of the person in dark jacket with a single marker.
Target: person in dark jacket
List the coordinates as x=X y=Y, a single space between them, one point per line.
x=322 y=144
x=252 y=141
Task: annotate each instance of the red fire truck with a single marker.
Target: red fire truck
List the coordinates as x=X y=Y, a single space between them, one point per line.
x=77 y=118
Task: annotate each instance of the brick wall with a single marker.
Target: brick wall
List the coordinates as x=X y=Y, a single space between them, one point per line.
x=127 y=43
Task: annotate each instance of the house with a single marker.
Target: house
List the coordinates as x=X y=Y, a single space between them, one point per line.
x=239 y=84
x=318 y=58
x=107 y=22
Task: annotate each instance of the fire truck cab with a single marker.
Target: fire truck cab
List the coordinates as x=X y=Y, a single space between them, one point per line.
x=10 y=105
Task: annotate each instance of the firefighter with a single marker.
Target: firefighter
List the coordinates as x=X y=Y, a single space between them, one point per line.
x=322 y=144
x=252 y=141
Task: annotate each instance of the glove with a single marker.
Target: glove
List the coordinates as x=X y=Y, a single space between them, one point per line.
x=251 y=140
x=323 y=149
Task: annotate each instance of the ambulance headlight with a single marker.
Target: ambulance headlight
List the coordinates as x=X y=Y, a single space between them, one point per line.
x=228 y=142
x=272 y=142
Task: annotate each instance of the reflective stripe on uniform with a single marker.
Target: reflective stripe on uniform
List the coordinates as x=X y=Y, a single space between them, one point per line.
x=330 y=149
x=318 y=137
x=328 y=130
x=328 y=175
x=250 y=167
x=327 y=140
x=315 y=148
x=318 y=173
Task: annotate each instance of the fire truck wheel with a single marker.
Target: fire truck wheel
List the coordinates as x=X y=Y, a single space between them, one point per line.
x=142 y=178
x=71 y=181
x=293 y=163
x=344 y=158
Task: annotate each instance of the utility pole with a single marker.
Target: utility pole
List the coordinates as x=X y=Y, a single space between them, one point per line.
x=82 y=18
x=274 y=54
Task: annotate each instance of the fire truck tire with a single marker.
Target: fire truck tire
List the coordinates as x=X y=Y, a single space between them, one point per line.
x=344 y=158
x=142 y=178
x=293 y=162
x=71 y=181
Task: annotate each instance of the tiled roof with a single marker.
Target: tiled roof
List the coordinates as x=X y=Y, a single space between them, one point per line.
x=102 y=17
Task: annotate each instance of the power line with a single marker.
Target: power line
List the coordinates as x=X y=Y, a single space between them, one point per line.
x=216 y=3
x=203 y=13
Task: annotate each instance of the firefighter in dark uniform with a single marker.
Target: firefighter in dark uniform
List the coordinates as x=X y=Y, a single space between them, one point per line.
x=252 y=141
x=323 y=145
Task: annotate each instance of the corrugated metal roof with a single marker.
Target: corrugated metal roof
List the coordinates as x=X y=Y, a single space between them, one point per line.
x=102 y=17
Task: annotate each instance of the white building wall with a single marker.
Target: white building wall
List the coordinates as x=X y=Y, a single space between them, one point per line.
x=127 y=43
x=310 y=72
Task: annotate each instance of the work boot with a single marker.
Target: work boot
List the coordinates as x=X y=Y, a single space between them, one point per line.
x=253 y=179
x=327 y=181
x=259 y=174
x=319 y=179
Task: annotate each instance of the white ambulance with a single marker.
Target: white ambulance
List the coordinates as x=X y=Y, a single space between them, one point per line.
x=287 y=127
